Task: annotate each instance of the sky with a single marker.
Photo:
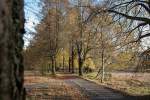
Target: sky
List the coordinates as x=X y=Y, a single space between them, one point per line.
x=33 y=16
x=32 y=9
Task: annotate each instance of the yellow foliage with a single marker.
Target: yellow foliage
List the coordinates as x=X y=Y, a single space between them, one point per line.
x=59 y=58
x=89 y=62
x=60 y=55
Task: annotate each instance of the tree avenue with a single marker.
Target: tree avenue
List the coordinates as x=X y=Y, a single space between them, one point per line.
x=73 y=36
x=83 y=35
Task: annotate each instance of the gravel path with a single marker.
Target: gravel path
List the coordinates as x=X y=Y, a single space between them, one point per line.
x=97 y=92
x=68 y=88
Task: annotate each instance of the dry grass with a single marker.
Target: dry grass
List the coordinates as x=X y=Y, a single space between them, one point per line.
x=133 y=84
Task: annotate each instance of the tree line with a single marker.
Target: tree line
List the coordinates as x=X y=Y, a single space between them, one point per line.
x=77 y=33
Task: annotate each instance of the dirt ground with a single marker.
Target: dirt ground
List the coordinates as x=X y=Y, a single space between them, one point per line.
x=72 y=87
x=51 y=88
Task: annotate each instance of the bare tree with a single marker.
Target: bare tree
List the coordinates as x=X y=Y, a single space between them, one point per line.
x=132 y=13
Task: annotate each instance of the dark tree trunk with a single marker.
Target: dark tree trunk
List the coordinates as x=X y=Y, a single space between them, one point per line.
x=53 y=66
x=80 y=62
x=72 y=59
x=69 y=64
x=72 y=65
x=11 y=45
x=103 y=68
x=63 y=63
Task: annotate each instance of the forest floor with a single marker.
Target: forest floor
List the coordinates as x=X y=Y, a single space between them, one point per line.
x=51 y=88
x=68 y=87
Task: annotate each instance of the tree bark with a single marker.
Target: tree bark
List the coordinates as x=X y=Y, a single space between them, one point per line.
x=69 y=64
x=63 y=63
x=72 y=58
x=53 y=66
x=80 y=42
x=103 y=68
x=11 y=45
x=102 y=56
x=80 y=62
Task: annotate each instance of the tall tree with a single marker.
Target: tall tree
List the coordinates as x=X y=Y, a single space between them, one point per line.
x=11 y=44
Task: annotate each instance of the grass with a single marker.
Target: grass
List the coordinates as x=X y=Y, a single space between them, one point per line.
x=136 y=86
x=138 y=90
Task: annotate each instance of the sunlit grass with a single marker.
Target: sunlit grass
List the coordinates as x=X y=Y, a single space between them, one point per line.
x=138 y=90
x=130 y=85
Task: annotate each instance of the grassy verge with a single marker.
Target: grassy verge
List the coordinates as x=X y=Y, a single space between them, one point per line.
x=131 y=85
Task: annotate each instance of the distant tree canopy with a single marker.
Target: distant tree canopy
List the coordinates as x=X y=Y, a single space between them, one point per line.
x=77 y=34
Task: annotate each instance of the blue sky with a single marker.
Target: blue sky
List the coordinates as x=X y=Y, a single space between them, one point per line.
x=32 y=11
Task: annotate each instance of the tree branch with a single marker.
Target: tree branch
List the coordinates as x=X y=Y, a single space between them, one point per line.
x=146 y=20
